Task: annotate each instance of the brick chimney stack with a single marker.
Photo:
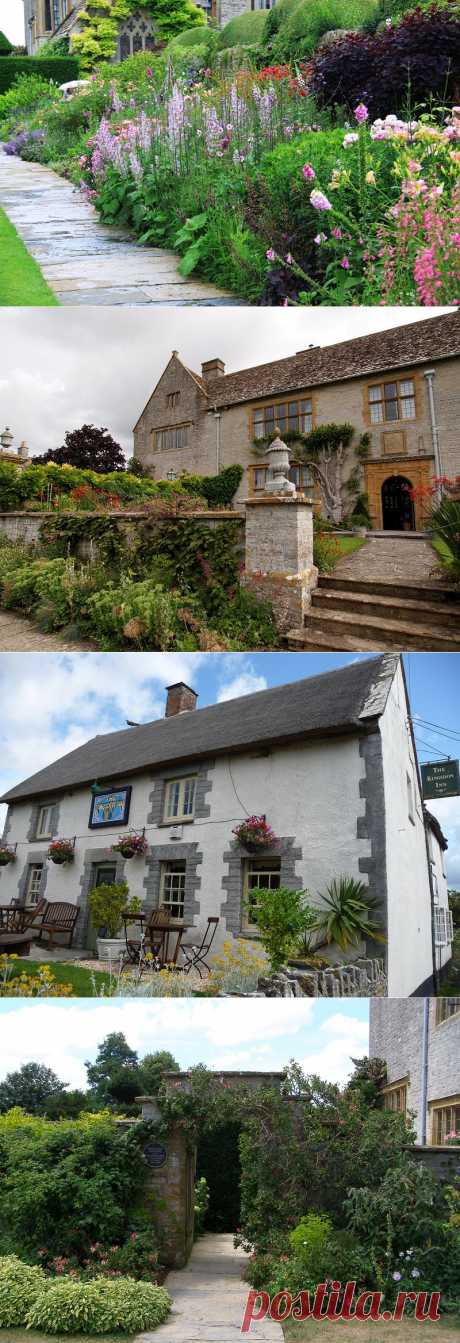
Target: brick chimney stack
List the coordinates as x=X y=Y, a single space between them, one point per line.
x=213 y=368
x=180 y=699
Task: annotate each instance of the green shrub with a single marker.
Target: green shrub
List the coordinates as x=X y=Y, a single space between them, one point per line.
x=59 y=69
x=107 y=902
x=308 y=21
x=244 y=31
x=20 y=1285
x=99 y=1307
x=192 y=37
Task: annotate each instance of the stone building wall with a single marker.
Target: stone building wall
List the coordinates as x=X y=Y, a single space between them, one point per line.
x=396 y=1035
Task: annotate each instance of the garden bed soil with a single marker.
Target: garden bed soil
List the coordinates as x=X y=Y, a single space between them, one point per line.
x=407 y=1331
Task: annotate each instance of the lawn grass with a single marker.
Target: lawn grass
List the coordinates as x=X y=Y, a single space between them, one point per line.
x=348 y=544
x=65 y=972
x=31 y=1336
x=406 y=1331
x=21 y=281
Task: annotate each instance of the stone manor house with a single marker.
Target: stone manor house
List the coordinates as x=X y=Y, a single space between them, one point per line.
x=329 y=760
x=420 y=1043
x=400 y=387
x=47 y=19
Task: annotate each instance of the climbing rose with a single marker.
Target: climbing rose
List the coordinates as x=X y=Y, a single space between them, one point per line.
x=319 y=201
x=308 y=172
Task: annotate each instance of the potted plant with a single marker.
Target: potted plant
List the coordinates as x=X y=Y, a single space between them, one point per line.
x=131 y=845
x=254 y=834
x=61 y=851
x=107 y=903
x=7 y=855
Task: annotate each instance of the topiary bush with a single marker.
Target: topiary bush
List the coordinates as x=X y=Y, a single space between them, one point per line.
x=245 y=30
x=308 y=21
x=417 y=59
x=99 y=1307
x=58 y=69
x=20 y=1285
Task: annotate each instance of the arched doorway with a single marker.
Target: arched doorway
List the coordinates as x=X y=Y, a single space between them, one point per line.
x=398 y=513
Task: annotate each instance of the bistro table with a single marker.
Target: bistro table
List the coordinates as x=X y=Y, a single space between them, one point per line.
x=162 y=939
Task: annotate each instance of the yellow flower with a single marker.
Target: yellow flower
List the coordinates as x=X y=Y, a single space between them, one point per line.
x=370 y=179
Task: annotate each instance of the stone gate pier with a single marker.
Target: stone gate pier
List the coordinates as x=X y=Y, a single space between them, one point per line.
x=168 y=1198
x=279 y=564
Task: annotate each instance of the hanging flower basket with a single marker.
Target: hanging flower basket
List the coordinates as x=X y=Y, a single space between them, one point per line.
x=61 y=851
x=254 y=834
x=131 y=846
x=6 y=855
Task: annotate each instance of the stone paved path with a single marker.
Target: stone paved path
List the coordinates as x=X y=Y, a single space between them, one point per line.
x=209 y=1298
x=18 y=635
x=84 y=261
x=405 y=558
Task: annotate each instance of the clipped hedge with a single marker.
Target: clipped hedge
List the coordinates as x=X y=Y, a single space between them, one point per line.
x=244 y=30
x=308 y=21
x=59 y=69
x=20 y=1285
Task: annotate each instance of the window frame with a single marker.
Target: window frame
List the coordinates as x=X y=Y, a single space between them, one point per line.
x=182 y=817
x=173 y=429
x=398 y=1088
x=275 y=403
x=167 y=867
x=33 y=867
x=384 y=401
x=439 y=1126
x=441 y=1013
x=443 y=926
x=47 y=808
x=275 y=862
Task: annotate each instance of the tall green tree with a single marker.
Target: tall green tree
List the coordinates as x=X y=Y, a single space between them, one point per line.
x=153 y=1068
x=30 y=1088
x=116 y=1063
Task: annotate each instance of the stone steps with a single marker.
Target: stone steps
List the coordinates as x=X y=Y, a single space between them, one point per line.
x=366 y=616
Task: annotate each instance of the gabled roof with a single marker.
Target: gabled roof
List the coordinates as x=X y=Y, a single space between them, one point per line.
x=336 y=702
x=400 y=347
x=195 y=377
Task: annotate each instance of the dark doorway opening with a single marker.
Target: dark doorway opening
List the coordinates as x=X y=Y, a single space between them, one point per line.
x=218 y=1159
x=398 y=513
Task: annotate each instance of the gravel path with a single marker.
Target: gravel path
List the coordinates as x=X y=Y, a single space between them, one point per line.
x=19 y=635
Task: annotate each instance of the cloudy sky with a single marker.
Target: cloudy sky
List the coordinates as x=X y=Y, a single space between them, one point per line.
x=65 y=367
x=53 y=702
x=322 y=1037
x=12 y=21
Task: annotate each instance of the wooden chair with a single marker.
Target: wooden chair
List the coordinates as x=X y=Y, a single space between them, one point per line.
x=58 y=917
x=14 y=935
x=200 y=951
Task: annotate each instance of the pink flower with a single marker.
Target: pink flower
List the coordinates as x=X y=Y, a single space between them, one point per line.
x=319 y=201
x=149 y=73
x=270 y=255
x=345 y=264
x=336 y=233
x=320 y=237
x=289 y=259
x=308 y=172
x=361 y=113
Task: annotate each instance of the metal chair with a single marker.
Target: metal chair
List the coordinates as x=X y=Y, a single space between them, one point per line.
x=201 y=951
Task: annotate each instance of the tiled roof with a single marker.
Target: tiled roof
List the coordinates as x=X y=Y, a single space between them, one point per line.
x=401 y=347
x=335 y=702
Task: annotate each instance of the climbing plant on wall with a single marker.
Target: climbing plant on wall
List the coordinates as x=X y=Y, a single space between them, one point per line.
x=102 y=18
x=324 y=450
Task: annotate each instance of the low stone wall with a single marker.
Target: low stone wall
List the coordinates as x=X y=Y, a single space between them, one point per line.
x=443 y=1162
x=25 y=526
x=365 y=978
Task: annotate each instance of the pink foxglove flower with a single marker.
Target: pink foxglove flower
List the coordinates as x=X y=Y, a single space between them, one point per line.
x=308 y=172
x=361 y=113
x=319 y=201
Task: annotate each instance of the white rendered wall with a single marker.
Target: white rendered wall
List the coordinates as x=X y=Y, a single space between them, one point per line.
x=308 y=791
x=409 y=903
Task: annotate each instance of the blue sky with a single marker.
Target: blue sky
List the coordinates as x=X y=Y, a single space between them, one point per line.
x=321 y=1036
x=52 y=703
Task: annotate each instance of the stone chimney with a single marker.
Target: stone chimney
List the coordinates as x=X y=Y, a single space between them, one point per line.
x=23 y=449
x=180 y=699
x=213 y=368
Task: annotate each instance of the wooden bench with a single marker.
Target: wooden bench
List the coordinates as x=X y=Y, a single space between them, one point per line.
x=15 y=932
x=58 y=917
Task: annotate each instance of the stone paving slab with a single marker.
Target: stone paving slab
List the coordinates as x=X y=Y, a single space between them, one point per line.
x=54 y=220
x=20 y=635
x=405 y=557
x=209 y=1299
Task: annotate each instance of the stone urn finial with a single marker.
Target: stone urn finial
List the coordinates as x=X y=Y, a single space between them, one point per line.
x=277 y=477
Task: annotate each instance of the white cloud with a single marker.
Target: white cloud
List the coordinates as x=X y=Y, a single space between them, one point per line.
x=447 y=811
x=246 y=683
x=349 y=1038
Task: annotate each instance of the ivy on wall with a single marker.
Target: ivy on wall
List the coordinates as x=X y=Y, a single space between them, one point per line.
x=102 y=19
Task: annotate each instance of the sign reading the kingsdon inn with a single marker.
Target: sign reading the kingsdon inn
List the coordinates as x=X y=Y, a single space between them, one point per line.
x=441 y=779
